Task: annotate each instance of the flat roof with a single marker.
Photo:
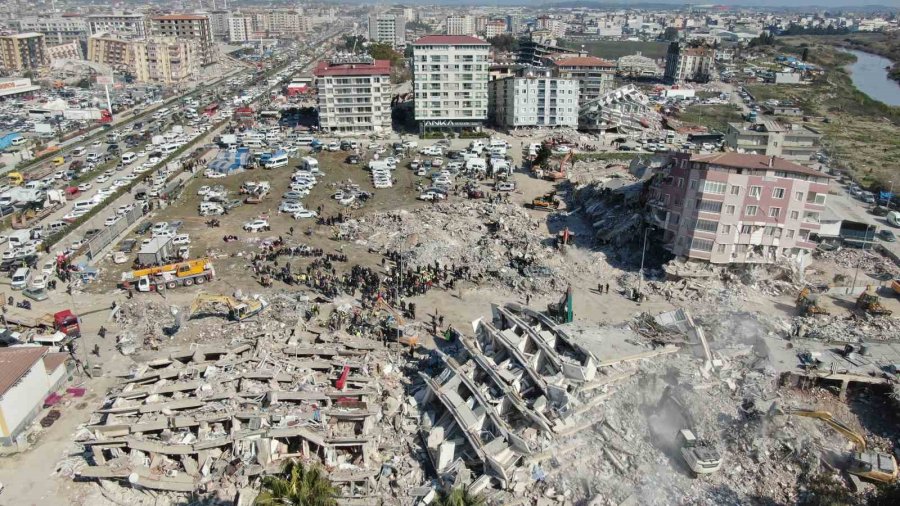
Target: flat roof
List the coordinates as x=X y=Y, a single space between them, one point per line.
x=378 y=67
x=15 y=362
x=16 y=91
x=459 y=40
x=757 y=162
x=584 y=61
x=176 y=17
x=24 y=35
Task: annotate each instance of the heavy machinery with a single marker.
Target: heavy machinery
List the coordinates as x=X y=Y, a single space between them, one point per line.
x=672 y=426
x=868 y=464
x=563 y=311
x=560 y=173
x=808 y=303
x=396 y=326
x=870 y=303
x=237 y=310
x=15 y=179
x=546 y=202
x=187 y=273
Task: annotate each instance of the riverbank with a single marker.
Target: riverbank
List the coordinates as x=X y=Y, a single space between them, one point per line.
x=859 y=133
x=886 y=45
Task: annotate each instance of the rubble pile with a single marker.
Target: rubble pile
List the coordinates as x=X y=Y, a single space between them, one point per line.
x=210 y=419
x=869 y=261
x=498 y=242
x=611 y=206
x=853 y=328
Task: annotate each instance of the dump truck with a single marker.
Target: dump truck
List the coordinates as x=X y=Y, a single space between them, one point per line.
x=187 y=273
x=64 y=321
x=862 y=462
x=672 y=427
x=808 y=303
x=546 y=202
x=237 y=310
x=870 y=303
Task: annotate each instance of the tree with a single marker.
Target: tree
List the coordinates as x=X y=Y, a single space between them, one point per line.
x=505 y=43
x=671 y=34
x=352 y=43
x=384 y=51
x=805 y=55
x=543 y=155
x=300 y=486
x=458 y=497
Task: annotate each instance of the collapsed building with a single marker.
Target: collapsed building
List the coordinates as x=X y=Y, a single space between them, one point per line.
x=624 y=109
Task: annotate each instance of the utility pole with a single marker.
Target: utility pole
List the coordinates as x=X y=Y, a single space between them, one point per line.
x=643 y=255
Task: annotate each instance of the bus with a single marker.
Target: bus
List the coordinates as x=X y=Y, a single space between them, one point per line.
x=211 y=109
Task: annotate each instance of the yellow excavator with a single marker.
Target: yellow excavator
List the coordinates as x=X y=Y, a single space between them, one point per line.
x=237 y=310
x=870 y=303
x=397 y=326
x=808 y=303
x=868 y=464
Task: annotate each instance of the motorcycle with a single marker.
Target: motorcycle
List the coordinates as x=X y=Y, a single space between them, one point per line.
x=24 y=304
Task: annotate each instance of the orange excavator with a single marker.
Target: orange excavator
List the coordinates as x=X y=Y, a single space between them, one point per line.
x=560 y=173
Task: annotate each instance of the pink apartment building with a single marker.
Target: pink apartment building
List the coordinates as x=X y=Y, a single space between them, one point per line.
x=737 y=208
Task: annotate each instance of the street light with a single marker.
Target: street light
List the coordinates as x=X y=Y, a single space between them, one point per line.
x=643 y=254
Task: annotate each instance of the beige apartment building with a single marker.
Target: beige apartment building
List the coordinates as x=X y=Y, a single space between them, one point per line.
x=794 y=142
x=187 y=27
x=23 y=51
x=67 y=51
x=166 y=60
x=108 y=49
x=354 y=94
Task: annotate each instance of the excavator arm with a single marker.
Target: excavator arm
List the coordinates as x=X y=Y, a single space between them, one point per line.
x=854 y=437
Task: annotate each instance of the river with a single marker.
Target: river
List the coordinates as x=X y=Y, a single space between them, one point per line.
x=870 y=76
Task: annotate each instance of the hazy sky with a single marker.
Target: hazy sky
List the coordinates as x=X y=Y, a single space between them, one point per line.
x=794 y=4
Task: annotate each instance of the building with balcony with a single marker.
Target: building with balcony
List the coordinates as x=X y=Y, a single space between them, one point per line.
x=67 y=51
x=187 y=27
x=737 y=208
x=494 y=28
x=23 y=51
x=111 y=50
x=533 y=97
x=595 y=76
x=57 y=29
x=388 y=28
x=240 y=28
x=460 y=25
x=684 y=63
x=132 y=26
x=354 y=94
x=793 y=142
x=450 y=79
x=165 y=60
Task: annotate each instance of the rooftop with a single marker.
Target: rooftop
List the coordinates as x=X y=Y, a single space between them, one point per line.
x=378 y=67
x=24 y=35
x=54 y=360
x=584 y=61
x=756 y=162
x=16 y=362
x=176 y=17
x=459 y=40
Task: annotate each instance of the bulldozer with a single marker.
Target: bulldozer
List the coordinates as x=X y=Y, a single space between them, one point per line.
x=671 y=414
x=546 y=202
x=237 y=310
x=808 y=303
x=870 y=303
x=396 y=326
x=867 y=464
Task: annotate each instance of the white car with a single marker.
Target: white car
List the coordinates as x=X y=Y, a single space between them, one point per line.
x=110 y=221
x=506 y=186
x=380 y=150
x=203 y=190
x=83 y=187
x=102 y=179
x=153 y=160
x=431 y=151
x=48 y=268
x=159 y=227
x=305 y=213
x=347 y=199
x=410 y=144
x=333 y=146
x=124 y=209
x=373 y=145
x=257 y=226
x=561 y=150
x=118 y=183
x=39 y=282
x=432 y=196
x=129 y=178
x=164 y=233
x=181 y=239
x=211 y=174
x=290 y=207
x=141 y=153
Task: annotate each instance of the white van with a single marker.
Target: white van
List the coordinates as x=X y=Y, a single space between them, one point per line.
x=84 y=205
x=303 y=140
x=79 y=151
x=277 y=161
x=20 y=278
x=129 y=158
x=253 y=143
x=18 y=141
x=311 y=164
x=168 y=148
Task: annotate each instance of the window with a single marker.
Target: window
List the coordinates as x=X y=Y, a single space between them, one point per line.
x=714 y=187
x=798 y=196
x=701 y=244
x=815 y=198
x=747 y=229
x=774 y=212
x=735 y=190
x=681 y=182
x=693 y=184
x=790 y=234
x=720 y=248
x=750 y=211
x=706 y=225
x=729 y=209
x=755 y=191
x=709 y=206
x=778 y=193
x=795 y=215
x=726 y=229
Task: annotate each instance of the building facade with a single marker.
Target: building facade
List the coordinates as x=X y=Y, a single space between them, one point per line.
x=67 y=51
x=450 y=74
x=532 y=98
x=125 y=25
x=108 y=49
x=685 y=63
x=165 y=60
x=460 y=25
x=23 y=51
x=494 y=28
x=240 y=28
x=595 y=76
x=57 y=30
x=187 y=27
x=638 y=65
x=218 y=23
x=793 y=142
x=30 y=374
x=737 y=208
x=354 y=95
x=388 y=28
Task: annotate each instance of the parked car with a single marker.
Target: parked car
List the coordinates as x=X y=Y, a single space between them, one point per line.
x=36 y=294
x=305 y=213
x=432 y=195
x=257 y=226
x=181 y=239
x=886 y=235
x=290 y=207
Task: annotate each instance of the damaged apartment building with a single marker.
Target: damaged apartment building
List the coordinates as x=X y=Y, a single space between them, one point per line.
x=520 y=383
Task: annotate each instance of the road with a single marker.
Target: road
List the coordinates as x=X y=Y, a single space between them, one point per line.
x=845 y=206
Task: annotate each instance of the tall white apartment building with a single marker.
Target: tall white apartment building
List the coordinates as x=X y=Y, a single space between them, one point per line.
x=460 y=25
x=187 y=26
x=354 y=94
x=450 y=74
x=387 y=28
x=534 y=97
x=240 y=28
x=57 y=29
x=166 y=60
x=124 y=25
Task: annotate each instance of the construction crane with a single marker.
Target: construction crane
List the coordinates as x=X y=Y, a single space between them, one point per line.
x=397 y=325
x=870 y=303
x=872 y=465
x=237 y=310
x=808 y=303
x=180 y=268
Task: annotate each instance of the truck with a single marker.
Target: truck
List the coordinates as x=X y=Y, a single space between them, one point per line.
x=893 y=218
x=169 y=276
x=228 y=140
x=156 y=251
x=82 y=114
x=855 y=233
x=64 y=321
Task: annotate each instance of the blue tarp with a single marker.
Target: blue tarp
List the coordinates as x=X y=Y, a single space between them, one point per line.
x=6 y=139
x=228 y=161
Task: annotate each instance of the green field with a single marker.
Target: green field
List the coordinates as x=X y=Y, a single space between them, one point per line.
x=614 y=49
x=713 y=117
